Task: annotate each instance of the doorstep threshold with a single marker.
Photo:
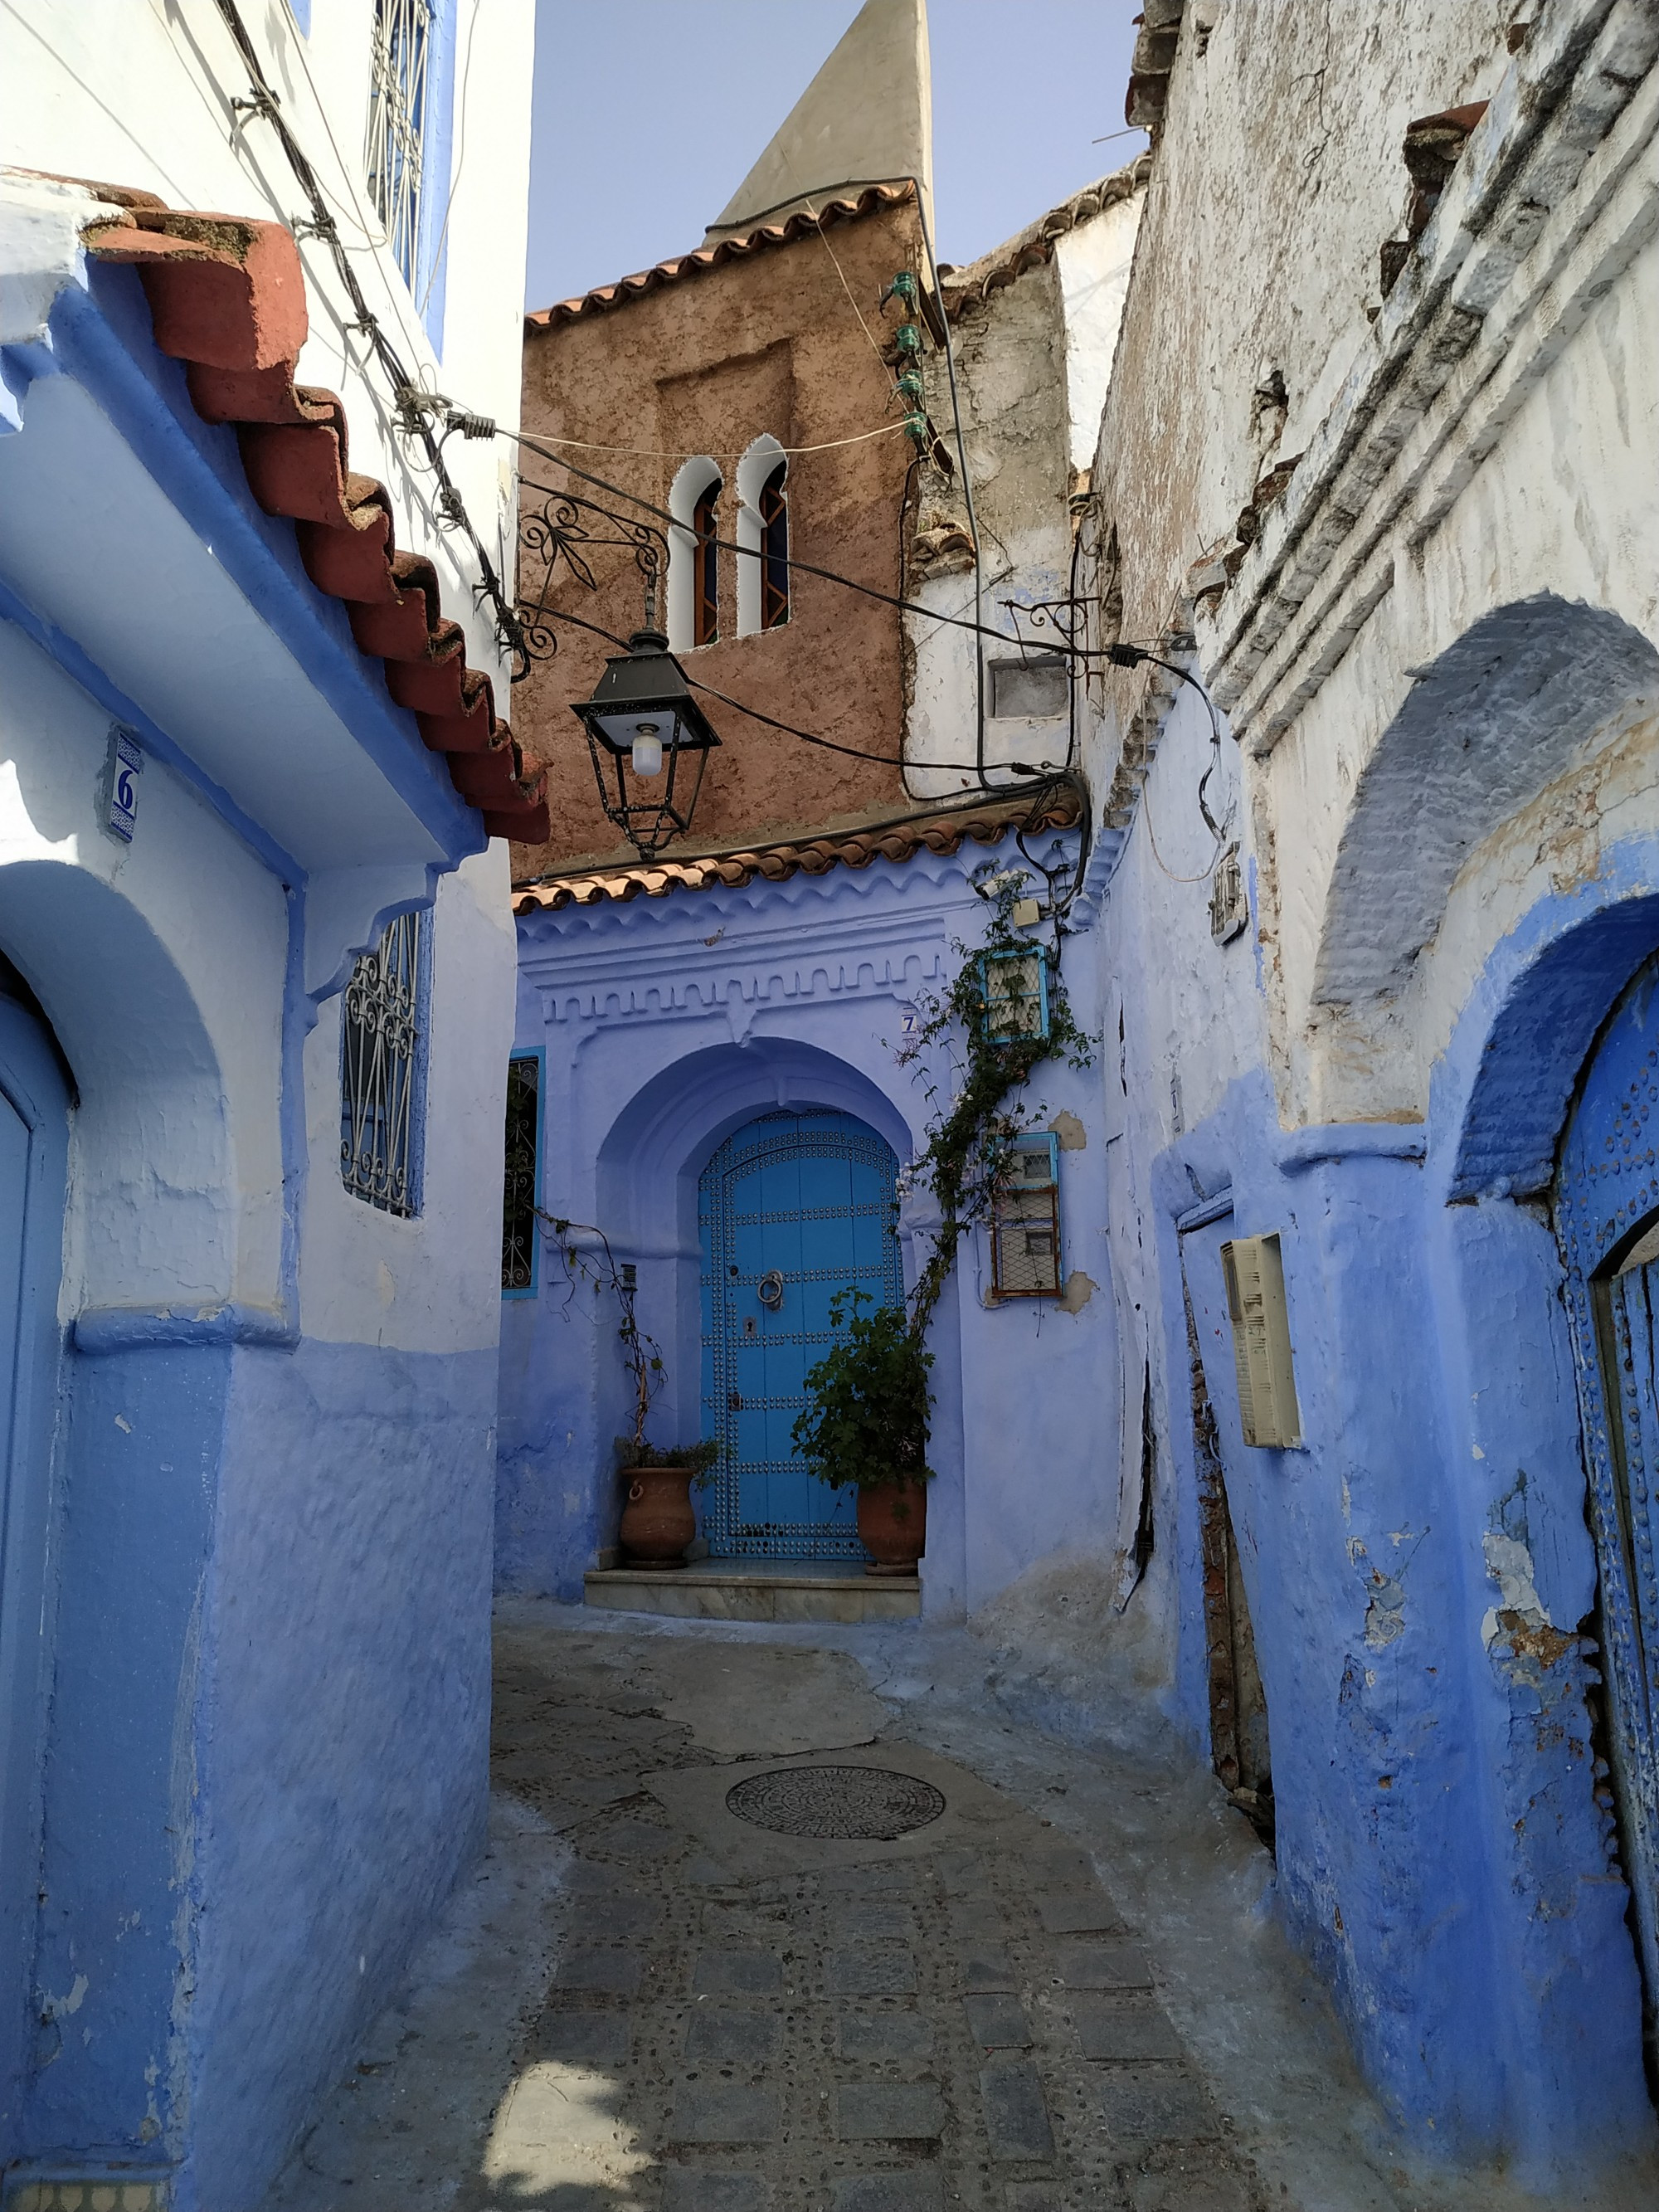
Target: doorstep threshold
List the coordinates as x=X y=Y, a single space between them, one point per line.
x=757 y=1589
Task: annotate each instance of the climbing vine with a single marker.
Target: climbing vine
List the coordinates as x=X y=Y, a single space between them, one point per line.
x=966 y=1158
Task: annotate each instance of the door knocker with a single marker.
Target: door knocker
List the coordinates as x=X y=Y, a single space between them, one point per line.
x=770 y=1289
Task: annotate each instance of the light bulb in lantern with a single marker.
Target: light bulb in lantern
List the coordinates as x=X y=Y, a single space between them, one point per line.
x=648 y=749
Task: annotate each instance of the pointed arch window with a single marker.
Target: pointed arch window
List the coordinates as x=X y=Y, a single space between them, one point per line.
x=774 y=549
x=694 y=574
x=763 y=535
x=705 y=565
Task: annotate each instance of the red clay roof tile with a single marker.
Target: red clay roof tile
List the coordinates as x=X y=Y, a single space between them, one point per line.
x=227 y=298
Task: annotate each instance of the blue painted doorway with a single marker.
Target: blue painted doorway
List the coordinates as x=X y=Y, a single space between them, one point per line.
x=1607 y=1219
x=33 y=1145
x=792 y=1208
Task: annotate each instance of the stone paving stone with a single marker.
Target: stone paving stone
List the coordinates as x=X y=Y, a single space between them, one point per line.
x=619 y=1917
x=962 y=1873
x=737 y=1971
x=1015 y=2118
x=854 y=1921
x=1104 y=1966
x=870 y=1970
x=976 y=1920
x=584 y=2038
x=604 y=1972
x=885 y=2035
x=719 y=2034
x=689 y=2191
x=726 y=2113
x=1122 y=2029
x=1032 y=2197
x=1058 y=1866
x=1187 y=2190
x=1152 y=2104
x=1077 y=1912
x=634 y=1839
x=888 y=2111
x=987 y=1968
x=918 y=2190
x=997 y=2022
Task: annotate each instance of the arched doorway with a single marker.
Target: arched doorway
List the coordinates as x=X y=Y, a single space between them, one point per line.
x=793 y=1208
x=1607 y=1216
x=34 y=1144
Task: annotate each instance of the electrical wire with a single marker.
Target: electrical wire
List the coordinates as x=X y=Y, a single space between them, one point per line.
x=406 y=391
x=811 y=737
x=734 y=454
x=805 y=567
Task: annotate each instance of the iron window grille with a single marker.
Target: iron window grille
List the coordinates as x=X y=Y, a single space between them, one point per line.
x=395 y=156
x=774 y=549
x=1015 y=988
x=705 y=573
x=1025 y=1220
x=380 y=1070
x=518 y=1181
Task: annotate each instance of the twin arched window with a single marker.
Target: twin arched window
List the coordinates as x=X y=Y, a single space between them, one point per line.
x=694 y=561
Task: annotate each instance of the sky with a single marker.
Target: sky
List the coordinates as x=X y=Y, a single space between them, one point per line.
x=649 y=113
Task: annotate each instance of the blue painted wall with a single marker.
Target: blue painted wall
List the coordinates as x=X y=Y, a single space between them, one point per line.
x=1442 y=1857
x=667 y=1025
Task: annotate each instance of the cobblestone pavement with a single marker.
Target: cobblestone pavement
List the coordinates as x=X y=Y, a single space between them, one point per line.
x=656 y=1998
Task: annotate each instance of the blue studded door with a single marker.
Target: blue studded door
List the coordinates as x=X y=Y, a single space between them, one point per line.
x=792 y=1208
x=1608 y=1221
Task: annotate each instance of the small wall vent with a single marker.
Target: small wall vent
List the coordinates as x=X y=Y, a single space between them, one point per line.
x=1262 y=1341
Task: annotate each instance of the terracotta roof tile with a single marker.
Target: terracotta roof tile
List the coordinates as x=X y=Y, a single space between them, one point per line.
x=705 y=257
x=973 y=284
x=227 y=294
x=942 y=833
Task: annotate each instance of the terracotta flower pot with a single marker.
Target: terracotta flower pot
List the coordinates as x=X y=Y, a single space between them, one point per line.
x=893 y=1526
x=657 y=1521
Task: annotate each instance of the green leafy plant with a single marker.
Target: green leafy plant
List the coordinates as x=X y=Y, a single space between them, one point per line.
x=865 y=1423
x=699 y=1458
x=967 y=1156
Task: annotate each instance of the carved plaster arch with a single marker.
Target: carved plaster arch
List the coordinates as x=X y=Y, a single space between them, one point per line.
x=154 y=1204
x=753 y=470
x=1487 y=728
x=693 y=480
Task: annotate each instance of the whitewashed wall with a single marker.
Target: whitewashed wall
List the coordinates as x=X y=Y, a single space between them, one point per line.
x=136 y=93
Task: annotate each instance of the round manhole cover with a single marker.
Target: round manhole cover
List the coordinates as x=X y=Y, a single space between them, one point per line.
x=860 y=1804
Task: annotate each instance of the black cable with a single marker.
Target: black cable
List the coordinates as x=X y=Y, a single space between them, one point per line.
x=810 y=737
x=926 y=813
x=452 y=509
x=1132 y=656
x=806 y=567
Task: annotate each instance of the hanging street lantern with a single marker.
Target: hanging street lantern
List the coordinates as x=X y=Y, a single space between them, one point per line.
x=641 y=721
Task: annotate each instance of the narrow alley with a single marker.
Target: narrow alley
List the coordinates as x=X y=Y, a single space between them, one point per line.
x=808 y=1920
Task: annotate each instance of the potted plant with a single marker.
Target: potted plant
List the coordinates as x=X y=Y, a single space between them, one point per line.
x=658 y=1520
x=865 y=1427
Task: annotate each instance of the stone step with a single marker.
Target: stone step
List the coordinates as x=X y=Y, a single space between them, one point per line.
x=755 y=1589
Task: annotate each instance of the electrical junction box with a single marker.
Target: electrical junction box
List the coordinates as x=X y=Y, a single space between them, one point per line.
x=1262 y=1341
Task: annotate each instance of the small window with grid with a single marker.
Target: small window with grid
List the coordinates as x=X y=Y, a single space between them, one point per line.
x=381 y=1067
x=1015 y=985
x=519 y=1181
x=1025 y=1220
x=399 y=91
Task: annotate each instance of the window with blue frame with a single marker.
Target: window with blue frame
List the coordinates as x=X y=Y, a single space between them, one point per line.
x=1015 y=987
x=407 y=154
x=1025 y=1219
x=382 y=1070
x=519 y=1180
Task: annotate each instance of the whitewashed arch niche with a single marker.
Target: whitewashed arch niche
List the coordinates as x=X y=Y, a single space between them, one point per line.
x=694 y=572
x=763 y=536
